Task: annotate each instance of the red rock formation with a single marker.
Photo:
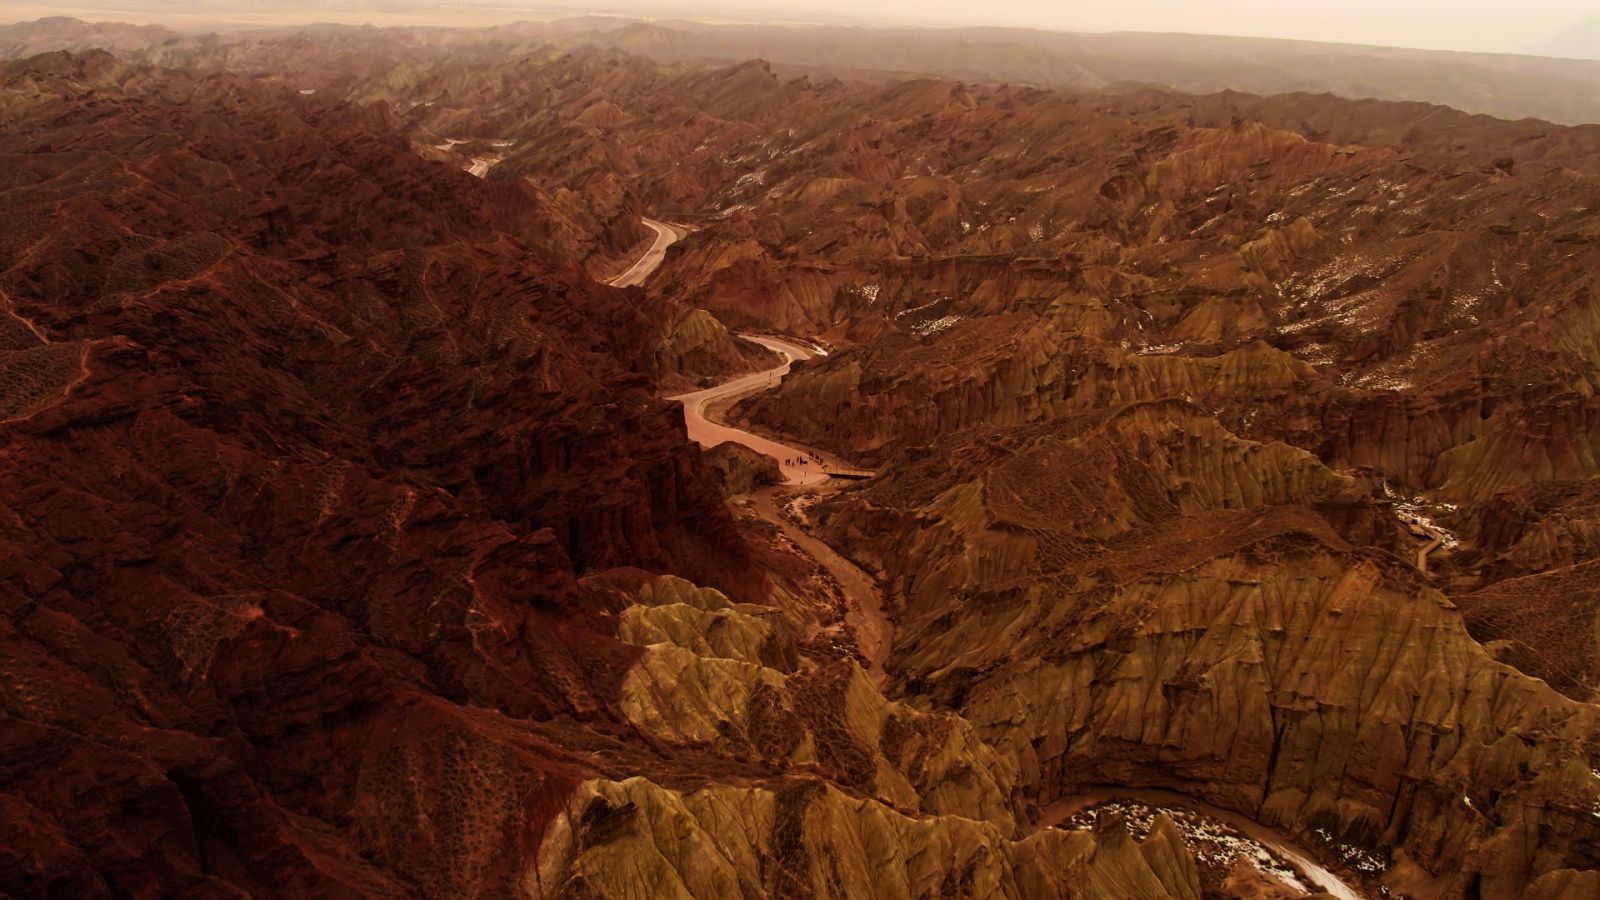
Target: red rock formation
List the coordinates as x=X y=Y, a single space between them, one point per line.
x=306 y=440
x=311 y=437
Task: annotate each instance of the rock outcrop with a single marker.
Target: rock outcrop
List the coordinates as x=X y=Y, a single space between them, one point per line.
x=308 y=440
x=1109 y=606
x=742 y=470
x=809 y=840
x=698 y=350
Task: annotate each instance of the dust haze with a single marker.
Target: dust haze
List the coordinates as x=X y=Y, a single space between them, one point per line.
x=1544 y=27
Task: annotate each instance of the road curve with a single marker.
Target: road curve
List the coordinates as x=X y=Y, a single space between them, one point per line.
x=1278 y=843
x=870 y=626
x=797 y=465
x=646 y=265
x=804 y=469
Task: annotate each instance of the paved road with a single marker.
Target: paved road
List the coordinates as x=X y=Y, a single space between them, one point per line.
x=701 y=429
x=707 y=433
x=873 y=632
x=646 y=265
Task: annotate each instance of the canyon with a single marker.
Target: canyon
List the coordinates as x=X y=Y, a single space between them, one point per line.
x=443 y=468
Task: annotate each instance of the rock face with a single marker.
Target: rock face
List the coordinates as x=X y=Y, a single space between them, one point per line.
x=807 y=840
x=741 y=469
x=1125 y=461
x=876 y=793
x=698 y=350
x=1166 y=390
x=1547 y=625
x=1165 y=619
x=307 y=440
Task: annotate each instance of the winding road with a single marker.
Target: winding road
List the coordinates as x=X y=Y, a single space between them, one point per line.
x=797 y=466
x=865 y=616
x=1274 y=841
x=646 y=265
x=864 y=608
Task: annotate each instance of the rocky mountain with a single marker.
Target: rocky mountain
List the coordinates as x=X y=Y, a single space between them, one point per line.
x=1233 y=447
x=1561 y=90
x=23 y=39
x=1560 y=85
x=329 y=483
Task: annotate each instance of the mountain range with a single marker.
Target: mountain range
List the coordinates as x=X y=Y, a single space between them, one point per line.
x=1178 y=494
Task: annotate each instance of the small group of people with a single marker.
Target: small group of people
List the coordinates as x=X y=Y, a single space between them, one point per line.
x=803 y=460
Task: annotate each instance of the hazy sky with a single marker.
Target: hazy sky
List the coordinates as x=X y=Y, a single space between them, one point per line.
x=1498 y=25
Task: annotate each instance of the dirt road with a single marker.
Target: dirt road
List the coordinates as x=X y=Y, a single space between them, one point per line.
x=864 y=610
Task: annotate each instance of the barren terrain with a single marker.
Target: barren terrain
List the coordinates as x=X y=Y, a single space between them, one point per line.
x=395 y=499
